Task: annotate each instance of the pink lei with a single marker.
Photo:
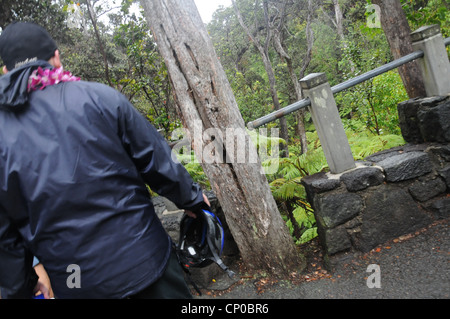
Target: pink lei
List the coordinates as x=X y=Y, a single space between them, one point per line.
x=41 y=78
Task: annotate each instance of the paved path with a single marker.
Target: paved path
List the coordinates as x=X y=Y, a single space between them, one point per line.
x=412 y=266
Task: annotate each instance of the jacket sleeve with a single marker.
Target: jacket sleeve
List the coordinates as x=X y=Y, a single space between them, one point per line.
x=155 y=161
x=17 y=276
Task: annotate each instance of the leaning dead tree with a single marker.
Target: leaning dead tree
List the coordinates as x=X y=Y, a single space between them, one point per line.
x=210 y=113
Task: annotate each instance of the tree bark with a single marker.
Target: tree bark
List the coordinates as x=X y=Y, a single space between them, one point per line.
x=397 y=30
x=206 y=103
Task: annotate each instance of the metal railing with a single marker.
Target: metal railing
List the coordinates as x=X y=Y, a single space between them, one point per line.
x=341 y=87
x=429 y=48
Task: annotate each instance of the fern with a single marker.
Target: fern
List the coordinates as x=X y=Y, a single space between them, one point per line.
x=307 y=236
x=364 y=143
x=284 y=189
x=289 y=192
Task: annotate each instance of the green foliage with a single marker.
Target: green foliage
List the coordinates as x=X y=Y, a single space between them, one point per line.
x=194 y=169
x=289 y=192
x=373 y=104
x=145 y=80
x=252 y=97
x=326 y=55
x=307 y=223
x=364 y=143
x=420 y=13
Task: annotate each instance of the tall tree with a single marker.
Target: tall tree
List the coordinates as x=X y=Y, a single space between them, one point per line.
x=231 y=45
x=338 y=22
x=279 y=25
x=263 y=48
x=144 y=79
x=397 y=30
x=101 y=47
x=204 y=97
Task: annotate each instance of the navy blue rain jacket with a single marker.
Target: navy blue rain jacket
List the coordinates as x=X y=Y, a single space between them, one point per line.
x=75 y=159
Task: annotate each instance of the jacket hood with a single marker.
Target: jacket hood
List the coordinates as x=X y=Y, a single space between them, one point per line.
x=14 y=86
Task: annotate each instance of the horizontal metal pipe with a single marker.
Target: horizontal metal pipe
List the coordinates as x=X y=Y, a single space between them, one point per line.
x=278 y=114
x=340 y=87
x=447 y=41
x=335 y=89
x=375 y=72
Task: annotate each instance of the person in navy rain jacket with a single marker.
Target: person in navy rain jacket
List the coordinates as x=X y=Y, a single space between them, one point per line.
x=75 y=159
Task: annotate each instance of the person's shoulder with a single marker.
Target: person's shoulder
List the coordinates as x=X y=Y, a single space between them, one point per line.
x=93 y=86
x=96 y=89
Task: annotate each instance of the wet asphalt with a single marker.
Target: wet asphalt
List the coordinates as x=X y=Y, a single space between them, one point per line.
x=414 y=266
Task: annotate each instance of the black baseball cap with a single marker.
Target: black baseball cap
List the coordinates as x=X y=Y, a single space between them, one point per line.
x=24 y=42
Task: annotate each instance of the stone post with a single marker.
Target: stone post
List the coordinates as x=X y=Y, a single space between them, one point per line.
x=435 y=65
x=328 y=123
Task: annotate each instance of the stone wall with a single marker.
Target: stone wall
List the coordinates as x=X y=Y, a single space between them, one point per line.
x=390 y=193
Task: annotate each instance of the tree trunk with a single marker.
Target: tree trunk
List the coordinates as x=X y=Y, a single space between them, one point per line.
x=278 y=45
x=264 y=52
x=338 y=22
x=397 y=30
x=99 y=41
x=206 y=102
x=339 y=19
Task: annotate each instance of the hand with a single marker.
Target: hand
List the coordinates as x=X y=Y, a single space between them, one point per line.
x=193 y=215
x=43 y=285
x=206 y=200
x=40 y=289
